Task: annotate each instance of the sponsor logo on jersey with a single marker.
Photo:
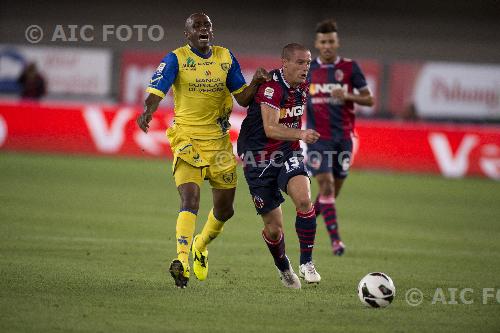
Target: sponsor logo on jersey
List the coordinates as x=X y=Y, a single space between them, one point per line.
x=292 y=112
x=160 y=67
x=153 y=80
x=206 y=63
x=269 y=92
x=190 y=64
x=325 y=88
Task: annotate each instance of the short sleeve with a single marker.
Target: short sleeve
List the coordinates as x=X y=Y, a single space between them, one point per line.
x=235 y=81
x=270 y=93
x=164 y=76
x=358 y=78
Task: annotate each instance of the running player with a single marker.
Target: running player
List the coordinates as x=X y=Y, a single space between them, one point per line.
x=203 y=78
x=330 y=111
x=269 y=147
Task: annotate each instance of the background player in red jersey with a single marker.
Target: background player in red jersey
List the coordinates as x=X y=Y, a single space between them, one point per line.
x=330 y=111
x=273 y=161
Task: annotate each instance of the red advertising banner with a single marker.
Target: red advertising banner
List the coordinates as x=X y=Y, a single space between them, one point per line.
x=449 y=150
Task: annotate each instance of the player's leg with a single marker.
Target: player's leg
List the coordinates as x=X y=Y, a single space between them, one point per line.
x=222 y=176
x=298 y=188
x=221 y=212
x=188 y=179
x=338 y=182
x=274 y=238
x=326 y=203
x=267 y=198
x=340 y=171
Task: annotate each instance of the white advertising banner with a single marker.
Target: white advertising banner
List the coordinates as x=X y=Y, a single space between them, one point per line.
x=449 y=90
x=67 y=70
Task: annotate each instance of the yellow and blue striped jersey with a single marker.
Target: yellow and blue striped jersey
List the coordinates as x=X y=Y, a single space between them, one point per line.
x=202 y=86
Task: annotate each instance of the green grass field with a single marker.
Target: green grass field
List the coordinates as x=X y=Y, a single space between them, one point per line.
x=85 y=244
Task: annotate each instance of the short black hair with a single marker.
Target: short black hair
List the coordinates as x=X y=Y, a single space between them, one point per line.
x=189 y=20
x=289 y=49
x=326 y=26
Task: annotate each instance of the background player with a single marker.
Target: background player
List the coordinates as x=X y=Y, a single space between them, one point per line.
x=269 y=146
x=330 y=110
x=203 y=77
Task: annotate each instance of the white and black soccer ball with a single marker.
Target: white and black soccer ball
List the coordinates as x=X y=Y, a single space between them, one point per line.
x=376 y=290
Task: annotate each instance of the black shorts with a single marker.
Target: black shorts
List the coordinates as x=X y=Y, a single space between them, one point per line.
x=330 y=156
x=266 y=178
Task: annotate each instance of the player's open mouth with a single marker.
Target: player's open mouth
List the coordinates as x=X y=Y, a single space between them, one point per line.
x=203 y=38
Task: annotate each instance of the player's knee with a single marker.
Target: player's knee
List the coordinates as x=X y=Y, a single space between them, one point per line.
x=303 y=204
x=224 y=214
x=191 y=203
x=326 y=188
x=273 y=232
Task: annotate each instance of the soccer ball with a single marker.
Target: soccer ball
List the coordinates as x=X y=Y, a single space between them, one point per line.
x=376 y=290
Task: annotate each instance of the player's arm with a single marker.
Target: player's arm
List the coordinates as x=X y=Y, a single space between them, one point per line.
x=358 y=81
x=245 y=96
x=150 y=105
x=364 y=97
x=235 y=82
x=158 y=87
x=275 y=130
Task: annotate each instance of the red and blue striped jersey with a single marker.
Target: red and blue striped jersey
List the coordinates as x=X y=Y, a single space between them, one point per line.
x=332 y=118
x=289 y=102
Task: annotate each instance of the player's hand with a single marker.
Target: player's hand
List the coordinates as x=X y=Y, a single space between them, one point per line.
x=309 y=136
x=143 y=121
x=261 y=76
x=339 y=94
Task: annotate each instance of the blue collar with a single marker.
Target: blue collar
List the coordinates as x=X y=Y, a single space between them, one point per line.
x=199 y=54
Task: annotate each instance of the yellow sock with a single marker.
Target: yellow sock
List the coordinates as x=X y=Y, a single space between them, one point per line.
x=211 y=230
x=184 y=230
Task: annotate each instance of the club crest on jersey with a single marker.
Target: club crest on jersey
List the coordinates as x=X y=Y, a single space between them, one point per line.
x=269 y=92
x=292 y=112
x=339 y=75
x=225 y=66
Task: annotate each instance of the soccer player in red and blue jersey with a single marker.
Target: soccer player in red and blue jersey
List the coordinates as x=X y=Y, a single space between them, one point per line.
x=330 y=111
x=269 y=147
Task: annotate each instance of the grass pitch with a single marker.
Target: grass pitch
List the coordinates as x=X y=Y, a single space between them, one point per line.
x=85 y=244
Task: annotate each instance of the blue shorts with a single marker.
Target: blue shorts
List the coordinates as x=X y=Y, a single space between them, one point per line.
x=330 y=156
x=266 y=178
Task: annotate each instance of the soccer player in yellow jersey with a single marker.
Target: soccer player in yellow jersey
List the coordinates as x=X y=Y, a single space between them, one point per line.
x=203 y=77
